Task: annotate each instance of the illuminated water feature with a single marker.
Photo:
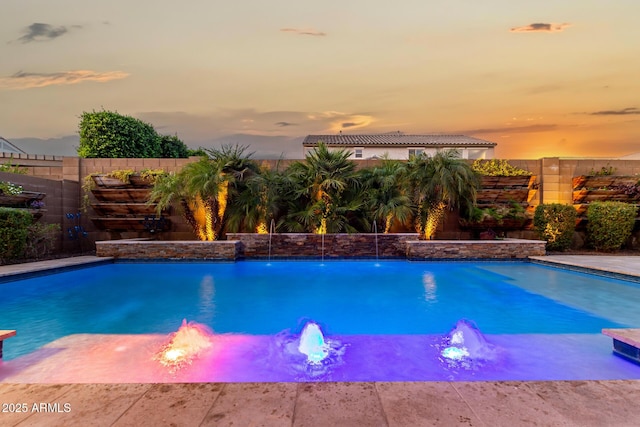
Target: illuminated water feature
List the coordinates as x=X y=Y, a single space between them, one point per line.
x=399 y=321
x=312 y=343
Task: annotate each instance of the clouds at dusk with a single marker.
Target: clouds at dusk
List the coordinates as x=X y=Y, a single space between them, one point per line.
x=513 y=129
x=39 y=31
x=540 y=27
x=24 y=80
x=253 y=122
x=528 y=76
x=622 y=112
x=303 y=32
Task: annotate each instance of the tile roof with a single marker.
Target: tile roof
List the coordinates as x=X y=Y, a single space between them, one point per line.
x=396 y=139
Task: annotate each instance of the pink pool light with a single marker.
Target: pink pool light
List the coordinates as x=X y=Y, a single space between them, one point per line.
x=187 y=343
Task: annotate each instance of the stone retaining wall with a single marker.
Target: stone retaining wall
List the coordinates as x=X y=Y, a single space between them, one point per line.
x=295 y=245
x=472 y=249
x=157 y=249
x=291 y=245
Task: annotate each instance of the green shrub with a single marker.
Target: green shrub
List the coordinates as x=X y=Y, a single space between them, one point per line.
x=11 y=168
x=14 y=224
x=41 y=239
x=497 y=167
x=555 y=223
x=609 y=224
x=172 y=147
x=106 y=134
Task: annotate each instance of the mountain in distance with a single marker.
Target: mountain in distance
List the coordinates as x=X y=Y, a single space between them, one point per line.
x=64 y=146
x=262 y=147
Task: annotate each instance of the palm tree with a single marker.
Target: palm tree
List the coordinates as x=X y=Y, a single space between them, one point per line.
x=318 y=189
x=205 y=187
x=259 y=203
x=386 y=196
x=440 y=182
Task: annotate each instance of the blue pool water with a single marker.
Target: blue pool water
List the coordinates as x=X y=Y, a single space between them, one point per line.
x=528 y=302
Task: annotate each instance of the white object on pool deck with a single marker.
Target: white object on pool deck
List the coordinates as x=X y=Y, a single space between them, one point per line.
x=626 y=342
x=4 y=334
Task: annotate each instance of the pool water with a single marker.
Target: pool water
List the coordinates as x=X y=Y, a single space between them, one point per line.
x=388 y=318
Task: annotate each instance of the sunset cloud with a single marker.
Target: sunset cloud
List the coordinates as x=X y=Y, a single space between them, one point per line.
x=284 y=124
x=623 y=112
x=303 y=32
x=338 y=120
x=23 y=80
x=39 y=31
x=513 y=129
x=541 y=28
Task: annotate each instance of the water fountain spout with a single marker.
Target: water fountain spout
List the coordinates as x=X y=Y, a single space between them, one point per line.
x=466 y=342
x=185 y=344
x=374 y=226
x=312 y=343
x=272 y=229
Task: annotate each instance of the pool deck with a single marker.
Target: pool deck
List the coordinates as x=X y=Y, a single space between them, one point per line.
x=509 y=403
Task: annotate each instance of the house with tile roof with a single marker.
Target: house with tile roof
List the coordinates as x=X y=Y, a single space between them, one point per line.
x=400 y=146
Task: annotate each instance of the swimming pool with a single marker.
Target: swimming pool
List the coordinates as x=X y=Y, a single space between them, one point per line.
x=387 y=319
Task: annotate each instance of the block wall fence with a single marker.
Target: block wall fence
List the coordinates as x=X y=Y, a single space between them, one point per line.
x=61 y=178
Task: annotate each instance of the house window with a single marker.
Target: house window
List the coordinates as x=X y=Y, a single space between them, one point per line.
x=415 y=152
x=358 y=153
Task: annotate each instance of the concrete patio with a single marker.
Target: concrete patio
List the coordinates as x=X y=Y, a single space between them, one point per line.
x=547 y=403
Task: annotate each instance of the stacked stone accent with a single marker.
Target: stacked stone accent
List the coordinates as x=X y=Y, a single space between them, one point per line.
x=304 y=245
x=256 y=246
x=156 y=249
x=475 y=249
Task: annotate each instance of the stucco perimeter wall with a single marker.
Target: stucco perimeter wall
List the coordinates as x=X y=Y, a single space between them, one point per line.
x=474 y=249
x=357 y=245
x=157 y=249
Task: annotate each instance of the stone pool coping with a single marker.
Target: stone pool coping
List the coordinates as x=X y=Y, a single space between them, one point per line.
x=572 y=403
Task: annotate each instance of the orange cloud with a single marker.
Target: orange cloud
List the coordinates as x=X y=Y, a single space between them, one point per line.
x=23 y=80
x=541 y=28
x=300 y=32
x=338 y=120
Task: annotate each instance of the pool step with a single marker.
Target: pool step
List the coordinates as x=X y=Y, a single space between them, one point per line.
x=626 y=343
x=4 y=334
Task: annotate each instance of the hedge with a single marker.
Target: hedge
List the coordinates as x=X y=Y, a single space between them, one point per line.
x=14 y=225
x=609 y=224
x=555 y=223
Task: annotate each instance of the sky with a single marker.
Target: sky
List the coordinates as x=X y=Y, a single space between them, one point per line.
x=540 y=78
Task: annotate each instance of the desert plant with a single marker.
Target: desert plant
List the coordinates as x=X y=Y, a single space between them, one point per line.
x=121 y=174
x=603 y=171
x=497 y=167
x=609 y=224
x=14 y=224
x=152 y=175
x=555 y=223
